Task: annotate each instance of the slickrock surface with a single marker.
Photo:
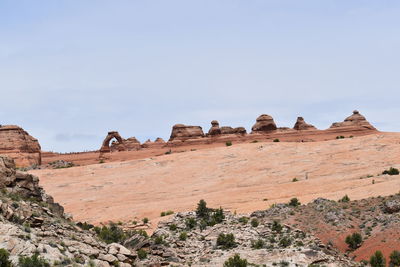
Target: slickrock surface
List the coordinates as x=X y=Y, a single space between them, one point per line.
x=238 y=177
x=15 y=142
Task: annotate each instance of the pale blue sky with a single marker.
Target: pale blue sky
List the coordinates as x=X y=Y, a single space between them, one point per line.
x=72 y=70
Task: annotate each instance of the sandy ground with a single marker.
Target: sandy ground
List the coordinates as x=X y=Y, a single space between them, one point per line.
x=242 y=177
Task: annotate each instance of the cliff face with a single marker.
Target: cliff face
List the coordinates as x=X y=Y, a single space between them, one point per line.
x=19 y=145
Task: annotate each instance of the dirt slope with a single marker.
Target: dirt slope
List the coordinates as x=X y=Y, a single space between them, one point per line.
x=238 y=178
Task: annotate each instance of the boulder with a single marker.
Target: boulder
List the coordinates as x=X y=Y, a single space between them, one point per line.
x=128 y=144
x=392 y=206
x=264 y=123
x=184 y=132
x=355 y=120
x=19 y=145
x=230 y=130
x=214 y=130
x=158 y=143
x=302 y=125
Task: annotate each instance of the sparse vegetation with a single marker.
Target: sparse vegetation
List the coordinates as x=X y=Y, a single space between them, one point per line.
x=340 y=137
x=166 y=213
x=394 y=258
x=4 y=261
x=183 y=236
x=33 y=261
x=294 y=202
x=345 y=199
x=377 y=260
x=142 y=254
x=243 y=220
x=254 y=222
x=258 y=244
x=276 y=227
x=191 y=223
x=145 y=220
x=235 y=261
x=111 y=234
x=295 y=179
x=228 y=143
x=226 y=241
x=354 y=240
x=276 y=140
x=391 y=171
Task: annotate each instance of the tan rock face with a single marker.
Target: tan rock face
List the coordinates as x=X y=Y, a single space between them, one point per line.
x=129 y=144
x=302 y=125
x=355 y=120
x=158 y=143
x=183 y=132
x=230 y=130
x=16 y=143
x=214 y=130
x=264 y=123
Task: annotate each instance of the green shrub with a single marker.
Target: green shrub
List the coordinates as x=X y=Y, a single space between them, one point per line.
x=142 y=254
x=4 y=262
x=202 y=211
x=111 y=234
x=354 y=240
x=258 y=244
x=166 y=213
x=183 y=236
x=226 y=241
x=172 y=227
x=276 y=140
x=377 y=260
x=254 y=222
x=191 y=223
x=345 y=199
x=285 y=242
x=394 y=258
x=294 y=202
x=145 y=220
x=295 y=180
x=33 y=261
x=243 y=220
x=340 y=137
x=228 y=143
x=235 y=261
x=276 y=227
x=85 y=225
x=391 y=171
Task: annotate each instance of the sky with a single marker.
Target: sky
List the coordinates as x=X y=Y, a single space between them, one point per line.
x=72 y=70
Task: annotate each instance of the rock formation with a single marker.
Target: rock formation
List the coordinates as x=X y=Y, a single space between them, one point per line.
x=105 y=147
x=184 y=132
x=214 y=130
x=302 y=125
x=158 y=143
x=355 y=120
x=128 y=144
x=230 y=130
x=264 y=123
x=19 y=145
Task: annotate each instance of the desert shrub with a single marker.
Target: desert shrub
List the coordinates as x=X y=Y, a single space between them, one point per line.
x=285 y=242
x=377 y=259
x=33 y=261
x=111 y=234
x=183 y=236
x=228 y=143
x=276 y=227
x=85 y=225
x=258 y=244
x=166 y=213
x=294 y=202
x=276 y=140
x=243 y=220
x=254 y=222
x=354 y=240
x=191 y=223
x=295 y=180
x=145 y=220
x=345 y=199
x=235 y=261
x=391 y=171
x=142 y=254
x=226 y=241
x=172 y=227
x=4 y=262
x=340 y=137
x=202 y=211
x=394 y=258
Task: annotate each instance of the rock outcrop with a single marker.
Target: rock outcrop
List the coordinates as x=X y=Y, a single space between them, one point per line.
x=127 y=144
x=355 y=120
x=105 y=147
x=264 y=123
x=184 y=132
x=215 y=130
x=16 y=143
x=158 y=143
x=302 y=125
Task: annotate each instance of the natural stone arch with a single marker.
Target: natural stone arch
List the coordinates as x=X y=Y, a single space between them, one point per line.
x=106 y=143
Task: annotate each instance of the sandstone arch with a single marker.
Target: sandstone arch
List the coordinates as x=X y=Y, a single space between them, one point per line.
x=106 y=143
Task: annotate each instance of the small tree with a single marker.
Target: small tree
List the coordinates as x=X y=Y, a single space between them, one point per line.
x=235 y=261
x=33 y=261
x=394 y=258
x=226 y=241
x=391 y=171
x=345 y=199
x=4 y=262
x=377 y=260
x=202 y=210
x=294 y=202
x=354 y=240
x=276 y=227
